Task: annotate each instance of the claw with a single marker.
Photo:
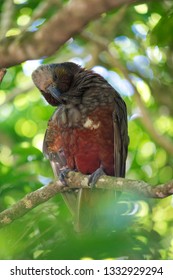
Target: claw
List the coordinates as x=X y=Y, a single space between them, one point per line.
x=63 y=175
x=95 y=176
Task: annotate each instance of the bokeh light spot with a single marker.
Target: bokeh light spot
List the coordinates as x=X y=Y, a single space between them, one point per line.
x=147 y=149
x=2 y=97
x=13 y=32
x=19 y=1
x=38 y=141
x=141 y=9
x=143 y=209
x=20 y=102
x=166 y=174
x=155 y=54
x=160 y=158
x=30 y=65
x=164 y=124
x=144 y=90
x=6 y=111
x=140 y=29
x=27 y=128
x=23 y=20
x=153 y=20
x=6 y=157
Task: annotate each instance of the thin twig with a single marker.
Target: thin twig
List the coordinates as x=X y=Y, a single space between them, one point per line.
x=17 y=91
x=39 y=12
x=6 y=17
x=2 y=73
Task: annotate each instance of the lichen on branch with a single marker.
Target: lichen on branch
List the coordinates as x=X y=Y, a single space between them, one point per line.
x=67 y=22
x=77 y=180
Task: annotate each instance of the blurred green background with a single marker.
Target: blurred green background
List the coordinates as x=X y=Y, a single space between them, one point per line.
x=132 y=48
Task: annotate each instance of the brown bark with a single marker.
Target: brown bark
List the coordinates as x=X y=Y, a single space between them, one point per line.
x=2 y=73
x=77 y=180
x=69 y=21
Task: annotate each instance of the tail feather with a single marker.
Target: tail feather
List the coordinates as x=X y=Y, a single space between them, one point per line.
x=95 y=210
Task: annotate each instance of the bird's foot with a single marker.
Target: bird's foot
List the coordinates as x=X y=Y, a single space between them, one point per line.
x=63 y=175
x=95 y=176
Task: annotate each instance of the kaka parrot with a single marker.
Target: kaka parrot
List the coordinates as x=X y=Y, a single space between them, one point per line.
x=87 y=133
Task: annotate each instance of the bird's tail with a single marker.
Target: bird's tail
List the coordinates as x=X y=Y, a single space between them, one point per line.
x=95 y=210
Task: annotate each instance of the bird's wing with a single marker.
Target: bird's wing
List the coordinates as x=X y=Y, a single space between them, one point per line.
x=52 y=145
x=121 y=138
x=52 y=149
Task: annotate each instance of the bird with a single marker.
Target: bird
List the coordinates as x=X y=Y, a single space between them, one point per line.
x=87 y=133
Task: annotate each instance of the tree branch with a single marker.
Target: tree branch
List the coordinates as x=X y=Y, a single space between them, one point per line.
x=77 y=180
x=40 y=11
x=69 y=21
x=2 y=74
x=17 y=91
x=6 y=17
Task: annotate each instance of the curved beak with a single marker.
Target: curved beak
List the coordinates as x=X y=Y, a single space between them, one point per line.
x=54 y=92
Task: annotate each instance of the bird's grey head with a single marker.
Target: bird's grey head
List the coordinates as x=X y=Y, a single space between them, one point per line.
x=55 y=80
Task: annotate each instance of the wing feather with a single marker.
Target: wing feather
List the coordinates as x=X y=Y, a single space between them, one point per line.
x=52 y=149
x=121 y=138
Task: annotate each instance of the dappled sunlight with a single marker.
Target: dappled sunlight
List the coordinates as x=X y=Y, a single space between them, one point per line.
x=22 y=79
x=141 y=9
x=162 y=216
x=147 y=149
x=120 y=84
x=144 y=91
x=129 y=208
x=30 y=65
x=2 y=96
x=141 y=65
x=160 y=158
x=156 y=55
x=143 y=209
x=140 y=29
x=38 y=141
x=5 y=112
x=18 y=2
x=153 y=20
x=131 y=48
x=21 y=102
x=160 y=227
x=101 y=70
x=153 y=161
x=36 y=24
x=127 y=45
x=164 y=124
x=25 y=127
x=13 y=32
x=6 y=157
x=147 y=170
x=166 y=174
x=23 y=20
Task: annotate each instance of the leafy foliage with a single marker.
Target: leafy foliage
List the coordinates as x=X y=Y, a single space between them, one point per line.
x=130 y=46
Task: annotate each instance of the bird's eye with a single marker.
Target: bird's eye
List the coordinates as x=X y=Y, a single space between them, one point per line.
x=55 y=76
